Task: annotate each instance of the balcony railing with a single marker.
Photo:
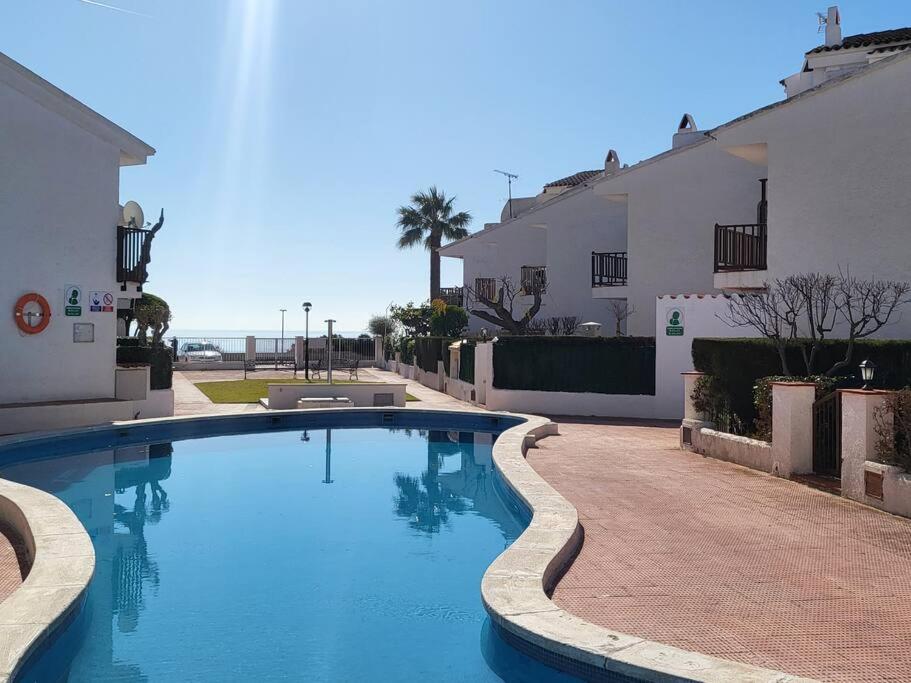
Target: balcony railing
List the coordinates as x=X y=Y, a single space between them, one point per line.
x=485 y=287
x=609 y=269
x=740 y=247
x=533 y=279
x=131 y=262
x=452 y=296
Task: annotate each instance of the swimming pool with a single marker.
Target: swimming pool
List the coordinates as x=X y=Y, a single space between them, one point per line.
x=301 y=549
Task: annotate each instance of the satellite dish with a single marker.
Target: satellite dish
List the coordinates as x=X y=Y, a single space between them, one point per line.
x=132 y=212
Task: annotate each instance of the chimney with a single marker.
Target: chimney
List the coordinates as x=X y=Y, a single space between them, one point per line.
x=611 y=163
x=833 y=27
x=687 y=133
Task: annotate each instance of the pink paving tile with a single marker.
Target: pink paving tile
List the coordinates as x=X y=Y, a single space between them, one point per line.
x=720 y=559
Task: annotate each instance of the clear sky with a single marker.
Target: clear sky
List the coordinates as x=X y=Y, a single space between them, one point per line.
x=288 y=131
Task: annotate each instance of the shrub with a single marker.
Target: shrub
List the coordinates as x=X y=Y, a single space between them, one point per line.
x=576 y=364
x=448 y=321
x=406 y=350
x=466 y=362
x=893 y=437
x=429 y=350
x=712 y=401
x=737 y=365
x=762 y=399
x=157 y=356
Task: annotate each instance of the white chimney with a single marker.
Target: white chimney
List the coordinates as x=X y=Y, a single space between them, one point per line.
x=687 y=133
x=611 y=162
x=833 y=27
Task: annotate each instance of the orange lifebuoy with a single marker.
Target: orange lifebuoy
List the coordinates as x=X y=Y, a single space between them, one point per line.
x=23 y=321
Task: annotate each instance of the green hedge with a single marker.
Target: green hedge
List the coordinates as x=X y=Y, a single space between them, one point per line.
x=429 y=350
x=737 y=364
x=466 y=362
x=601 y=365
x=406 y=350
x=158 y=357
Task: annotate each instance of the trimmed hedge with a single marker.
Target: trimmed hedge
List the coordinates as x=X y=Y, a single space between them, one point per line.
x=600 y=365
x=466 y=362
x=406 y=350
x=158 y=357
x=737 y=364
x=429 y=350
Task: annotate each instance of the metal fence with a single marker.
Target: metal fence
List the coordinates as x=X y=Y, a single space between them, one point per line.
x=270 y=351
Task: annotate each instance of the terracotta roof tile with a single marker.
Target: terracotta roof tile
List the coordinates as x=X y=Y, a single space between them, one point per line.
x=575 y=179
x=897 y=35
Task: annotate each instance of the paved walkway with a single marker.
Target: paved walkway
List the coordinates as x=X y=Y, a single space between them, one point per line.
x=720 y=559
x=10 y=570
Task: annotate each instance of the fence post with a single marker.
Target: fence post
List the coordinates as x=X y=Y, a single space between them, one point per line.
x=792 y=427
x=250 y=350
x=693 y=420
x=298 y=352
x=858 y=438
x=379 y=353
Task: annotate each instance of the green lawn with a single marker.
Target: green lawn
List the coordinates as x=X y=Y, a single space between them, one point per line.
x=251 y=390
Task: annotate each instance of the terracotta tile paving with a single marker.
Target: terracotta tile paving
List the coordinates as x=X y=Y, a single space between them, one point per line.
x=10 y=572
x=720 y=559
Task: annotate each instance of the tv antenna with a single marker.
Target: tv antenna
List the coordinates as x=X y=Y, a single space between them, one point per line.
x=823 y=20
x=509 y=178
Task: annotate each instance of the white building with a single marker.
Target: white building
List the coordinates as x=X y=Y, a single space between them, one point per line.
x=65 y=265
x=835 y=155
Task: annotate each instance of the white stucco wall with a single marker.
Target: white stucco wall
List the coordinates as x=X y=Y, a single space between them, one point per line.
x=58 y=217
x=838 y=177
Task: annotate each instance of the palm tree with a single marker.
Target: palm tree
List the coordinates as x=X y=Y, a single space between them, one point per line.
x=429 y=219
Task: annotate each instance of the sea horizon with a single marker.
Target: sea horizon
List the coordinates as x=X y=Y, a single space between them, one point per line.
x=186 y=333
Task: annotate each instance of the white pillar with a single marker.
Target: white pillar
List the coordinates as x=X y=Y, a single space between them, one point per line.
x=298 y=352
x=792 y=427
x=689 y=385
x=250 y=349
x=379 y=355
x=858 y=438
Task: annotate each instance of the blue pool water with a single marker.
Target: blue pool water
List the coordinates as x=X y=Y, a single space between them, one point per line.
x=318 y=554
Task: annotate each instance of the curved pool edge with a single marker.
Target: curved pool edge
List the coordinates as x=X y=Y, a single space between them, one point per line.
x=61 y=564
x=516 y=586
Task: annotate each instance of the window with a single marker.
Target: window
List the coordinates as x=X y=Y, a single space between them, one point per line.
x=485 y=287
x=534 y=279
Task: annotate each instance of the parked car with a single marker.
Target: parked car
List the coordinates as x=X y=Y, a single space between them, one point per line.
x=199 y=352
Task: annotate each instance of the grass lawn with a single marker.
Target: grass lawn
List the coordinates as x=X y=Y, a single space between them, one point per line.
x=251 y=390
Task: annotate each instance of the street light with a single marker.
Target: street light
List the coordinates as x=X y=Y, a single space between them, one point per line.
x=867 y=370
x=282 y=347
x=306 y=306
x=329 y=356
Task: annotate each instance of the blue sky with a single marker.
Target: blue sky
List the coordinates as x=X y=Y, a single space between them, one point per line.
x=289 y=131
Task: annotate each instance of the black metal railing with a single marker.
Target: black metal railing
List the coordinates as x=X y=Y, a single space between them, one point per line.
x=740 y=247
x=452 y=296
x=609 y=268
x=533 y=279
x=827 y=435
x=131 y=266
x=486 y=287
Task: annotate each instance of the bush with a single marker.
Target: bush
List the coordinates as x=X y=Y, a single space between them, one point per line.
x=447 y=321
x=893 y=438
x=762 y=399
x=406 y=350
x=466 y=362
x=429 y=350
x=157 y=356
x=737 y=365
x=576 y=364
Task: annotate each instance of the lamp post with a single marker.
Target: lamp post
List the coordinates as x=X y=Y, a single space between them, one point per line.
x=282 y=346
x=307 y=305
x=329 y=356
x=867 y=370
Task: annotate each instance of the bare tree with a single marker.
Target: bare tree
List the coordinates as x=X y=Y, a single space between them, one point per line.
x=500 y=309
x=569 y=324
x=804 y=309
x=621 y=311
x=553 y=325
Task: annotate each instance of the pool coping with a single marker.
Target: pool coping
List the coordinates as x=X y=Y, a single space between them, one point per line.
x=515 y=588
x=61 y=564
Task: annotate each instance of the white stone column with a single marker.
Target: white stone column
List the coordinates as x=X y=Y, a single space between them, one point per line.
x=250 y=349
x=455 y=353
x=693 y=420
x=792 y=427
x=379 y=355
x=858 y=438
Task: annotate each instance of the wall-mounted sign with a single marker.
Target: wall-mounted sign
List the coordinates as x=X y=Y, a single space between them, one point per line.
x=72 y=305
x=101 y=302
x=674 y=318
x=83 y=332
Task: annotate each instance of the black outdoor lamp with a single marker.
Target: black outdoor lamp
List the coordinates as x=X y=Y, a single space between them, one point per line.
x=867 y=369
x=306 y=306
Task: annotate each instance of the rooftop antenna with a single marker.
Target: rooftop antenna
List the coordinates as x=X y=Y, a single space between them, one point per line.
x=823 y=20
x=509 y=178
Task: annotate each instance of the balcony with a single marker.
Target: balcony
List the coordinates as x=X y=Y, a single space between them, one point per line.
x=740 y=248
x=533 y=279
x=609 y=269
x=452 y=296
x=132 y=255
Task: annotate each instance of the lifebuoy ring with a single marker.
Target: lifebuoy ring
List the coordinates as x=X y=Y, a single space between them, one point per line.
x=24 y=319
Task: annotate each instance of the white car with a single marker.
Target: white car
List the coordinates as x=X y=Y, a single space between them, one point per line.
x=199 y=352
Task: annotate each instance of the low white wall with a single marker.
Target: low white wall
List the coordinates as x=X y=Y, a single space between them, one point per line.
x=434 y=380
x=896 y=489
x=219 y=365
x=159 y=403
x=32 y=417
x=285 y=396
x=565 y=403
x=737 y=449
x=460 y=390
x=131 y=383
x=405 y=370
